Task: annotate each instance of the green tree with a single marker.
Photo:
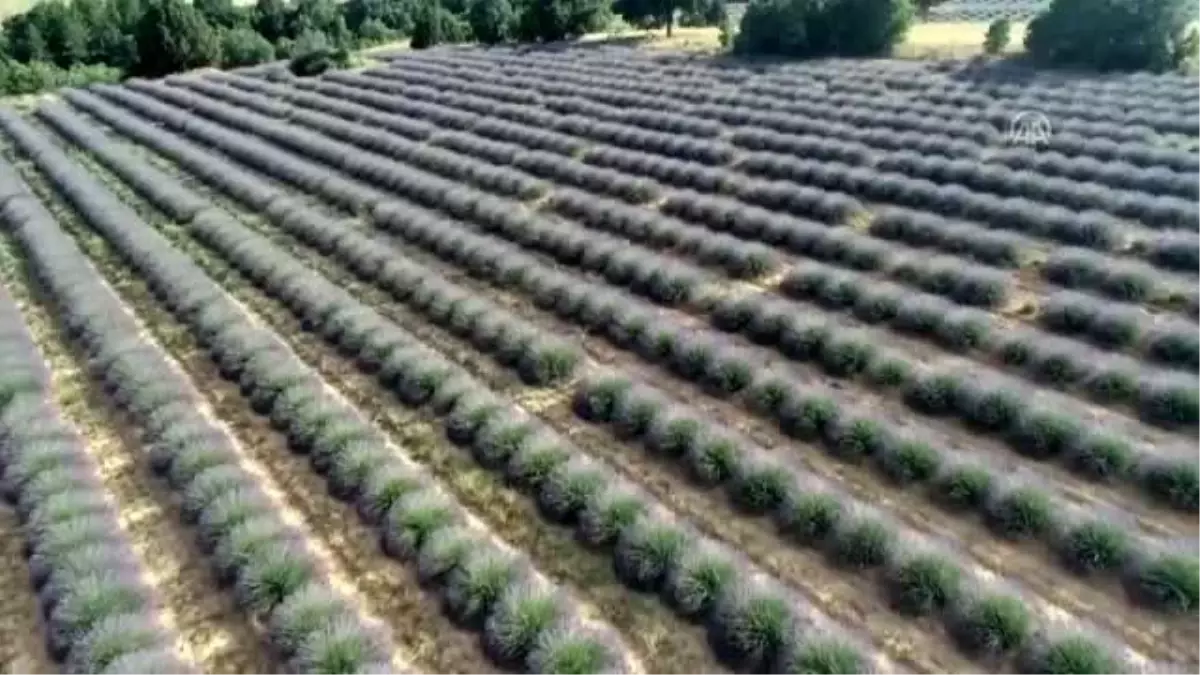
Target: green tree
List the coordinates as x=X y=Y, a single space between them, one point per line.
x=221 y=13
x=244 y=47
x=271 y=19
x=923 y=6
x=321 y=15
x=552 y=20
x=492 y=21
x=172 y=37
x=309 y=41
x=817 y=28
x=396 y=15
x=648 y=13
x=318 y=61
x=36 y=45
x=436 y=25
x=1112 y=34
x=776 y=27
x=64 y=30
x=25 y=40
x=374 y=31
x=998 y=35
x=703 y=13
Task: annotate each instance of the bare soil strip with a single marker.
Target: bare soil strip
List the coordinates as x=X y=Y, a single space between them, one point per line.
x=23 y=649
x=215 y=635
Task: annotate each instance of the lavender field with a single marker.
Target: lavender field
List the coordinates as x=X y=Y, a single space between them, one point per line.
x=602 y=360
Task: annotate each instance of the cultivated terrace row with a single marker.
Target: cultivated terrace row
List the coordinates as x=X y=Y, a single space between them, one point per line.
x=359 y=249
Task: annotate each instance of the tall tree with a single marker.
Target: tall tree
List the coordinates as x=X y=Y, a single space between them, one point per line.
x=1113 y=34
x=25 y=40
x=172 y=37
x=650 y=13
x=491 y=20
x=271 y=19
x=220 y=13
x=552 y=20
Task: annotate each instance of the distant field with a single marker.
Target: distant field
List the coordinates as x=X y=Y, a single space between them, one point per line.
x=925 y=40
x=601 y=359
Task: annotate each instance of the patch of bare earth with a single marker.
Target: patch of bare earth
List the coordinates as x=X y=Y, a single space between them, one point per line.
x=22 y=646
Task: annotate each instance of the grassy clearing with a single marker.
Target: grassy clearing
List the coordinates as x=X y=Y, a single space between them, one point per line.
x=949 y=39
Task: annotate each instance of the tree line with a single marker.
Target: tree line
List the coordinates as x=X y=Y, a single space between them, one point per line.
x=59 y=42
x=72 y=42
x=1155 y=35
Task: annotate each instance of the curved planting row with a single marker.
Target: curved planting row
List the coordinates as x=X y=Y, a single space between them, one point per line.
x=515 y=182
x=263 y=155
x=487 y=176
x=1155 y=180
x=1173 y=252
x=1137 y=92
x=413 y=514
x=628 y=92
x=1078 y=138
x=650 y=553
x=983 y=126
x=649 y=550
x=496 y=152
x=272 y=570
x=1174 y=344
x=1139 y=154
x=663 y=280
x=1065 y=433
x=723 y=370
x=1060 y=223
x=486 y=447
x=571 y=102
x=1138 y=205
x=719 y=213
x=932 y=114
x=98 y=607
x=665 y=284
x=926 y=230
x=1150 y=207
x=533 y=137
x=919 y=579
x=539 y=360
x=489 y=255
x=1167 y=400
x=1126 y=281
x=896 y=223
x=833 y=208
x=1091 y=229
x=663 y=169
x=742 y=110
x=966 y=285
